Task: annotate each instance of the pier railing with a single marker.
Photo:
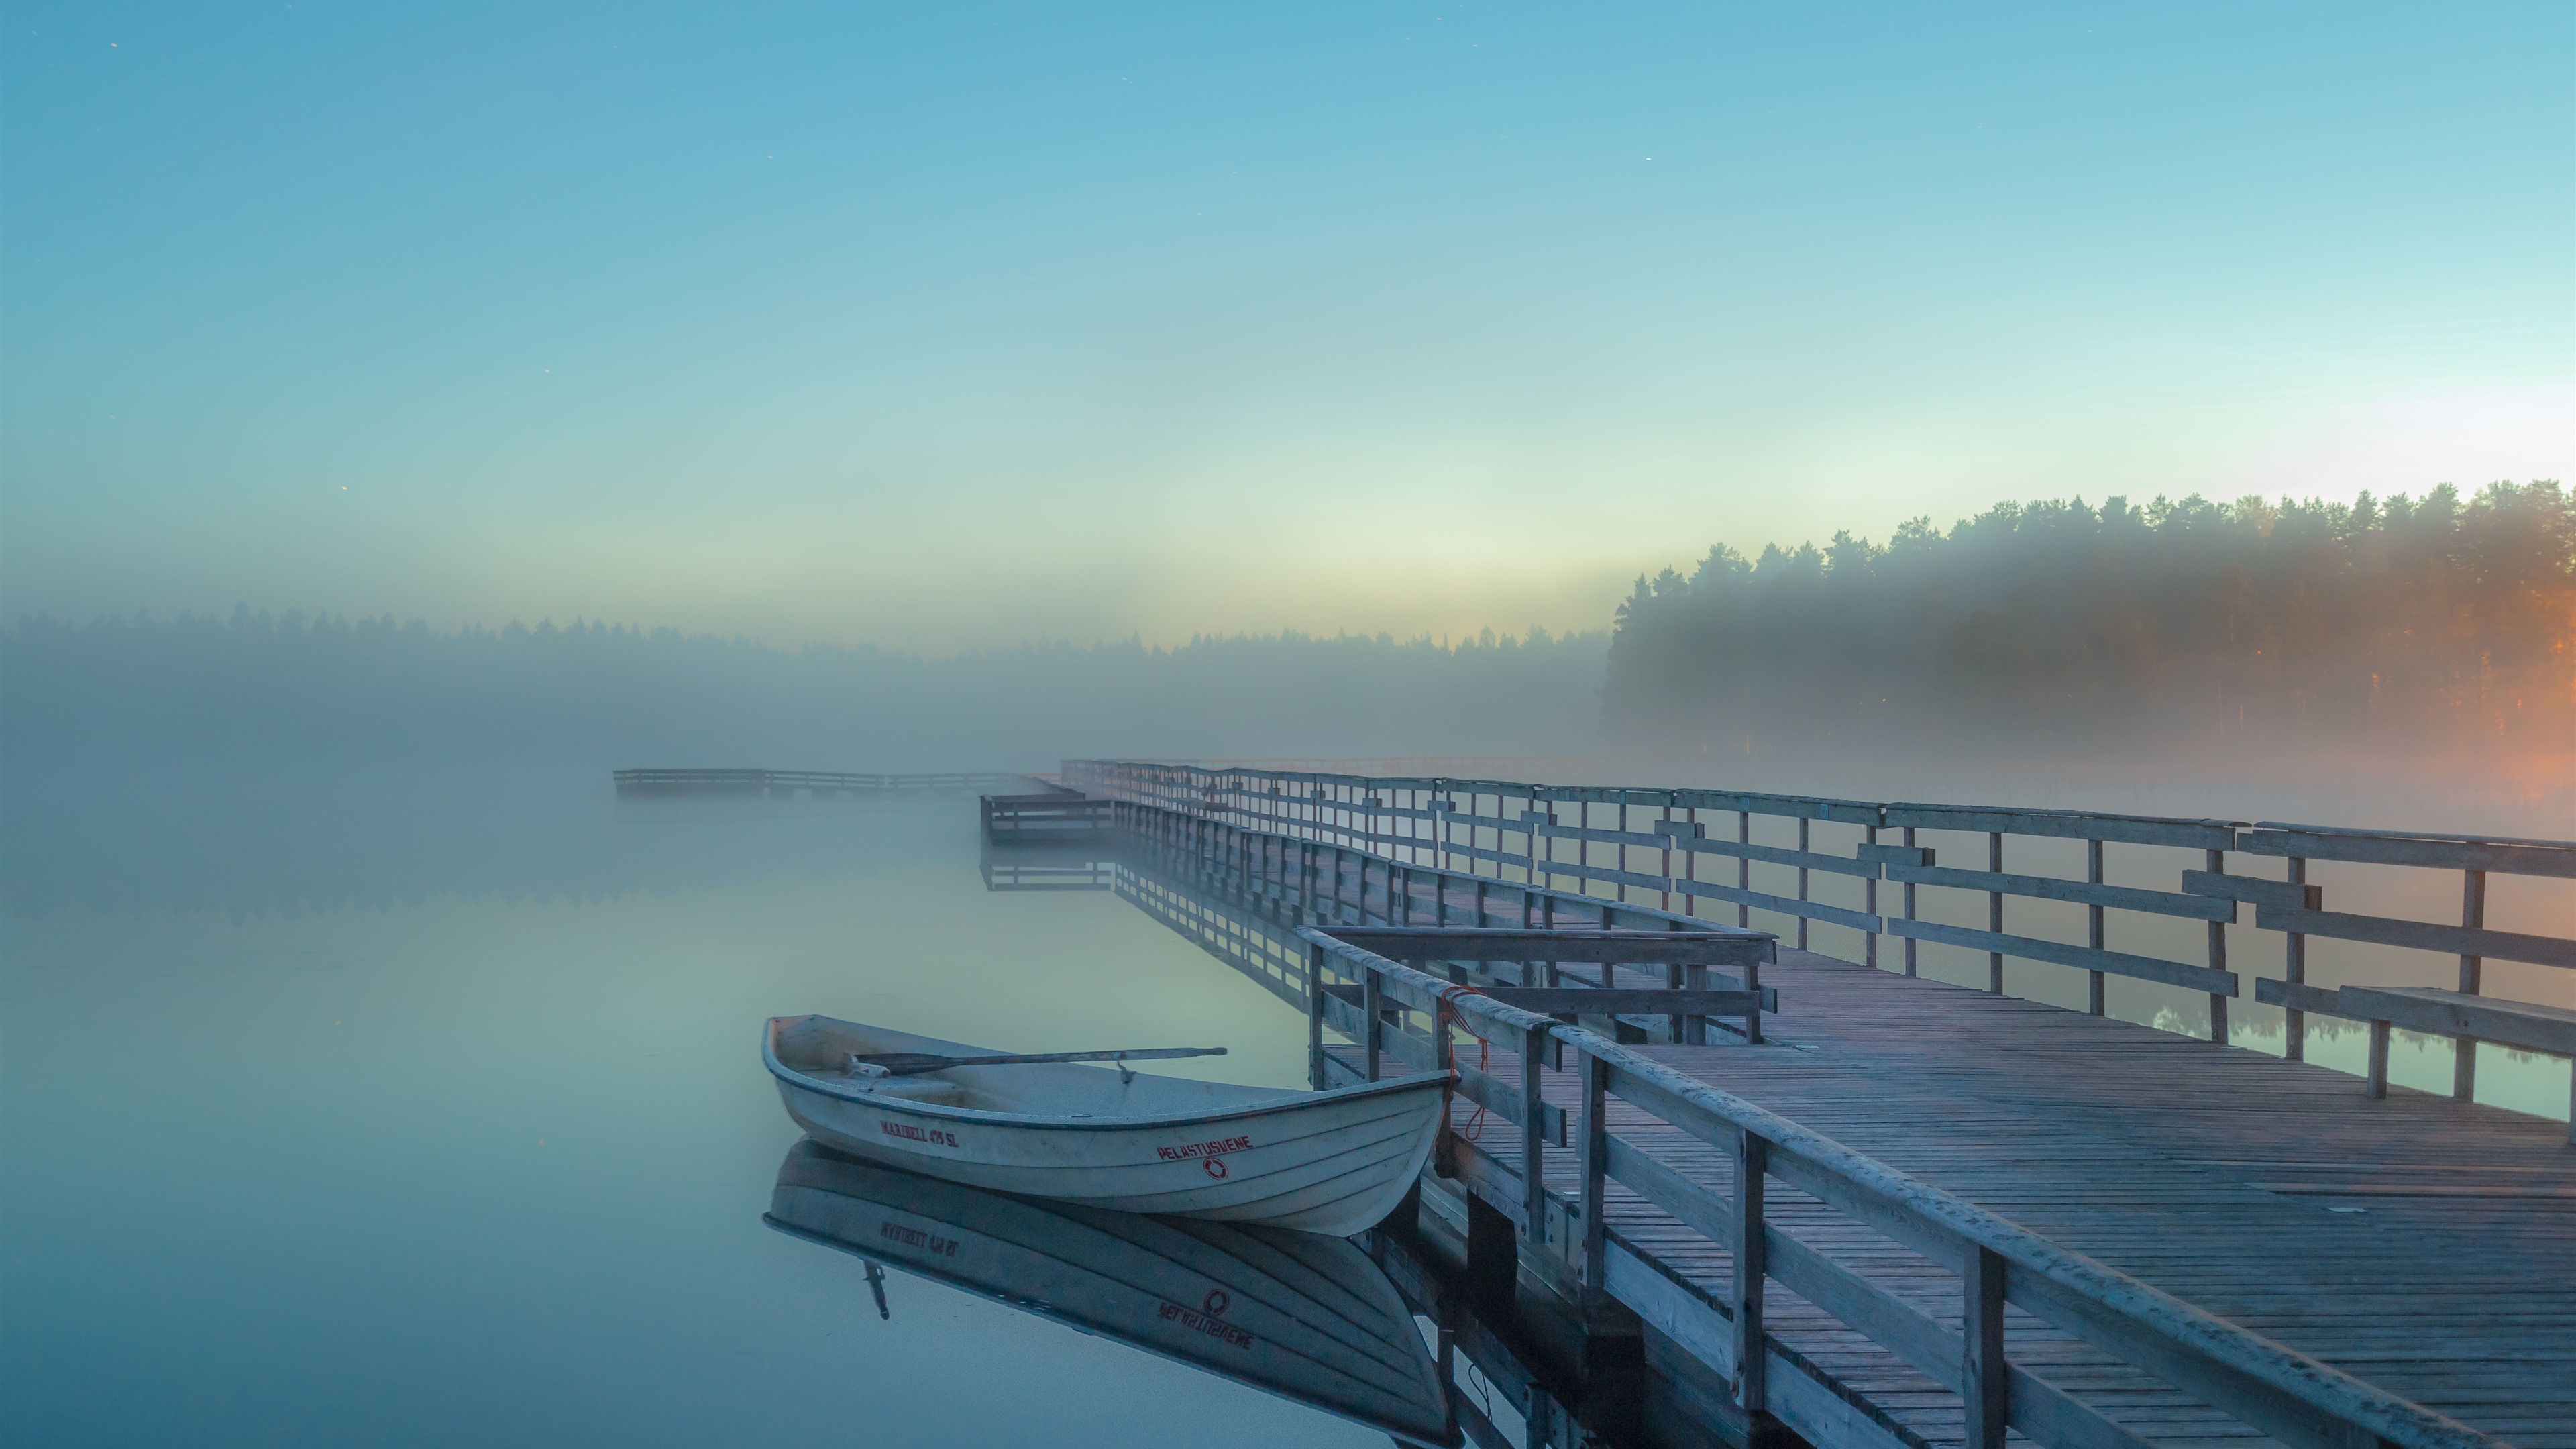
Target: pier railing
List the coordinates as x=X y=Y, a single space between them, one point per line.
x=2260 y=1384
x=1914 y=873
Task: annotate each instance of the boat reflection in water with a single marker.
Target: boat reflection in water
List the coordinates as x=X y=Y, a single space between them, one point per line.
x=1300 y=1315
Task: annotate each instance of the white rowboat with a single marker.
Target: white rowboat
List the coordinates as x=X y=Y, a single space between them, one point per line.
x=1308 y=1318
x=1319 y=1162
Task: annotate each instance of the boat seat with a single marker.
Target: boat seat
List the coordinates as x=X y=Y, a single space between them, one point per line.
x=913 y=1089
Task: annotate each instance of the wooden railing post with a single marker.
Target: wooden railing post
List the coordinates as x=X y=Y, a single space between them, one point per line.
x=2218 y=959
x=1537 y=817
x=1533 y=1139
x=1743 y=867
x=2473 y=916
x=1752 y=1270
x=1582 y=838
x=1995 y=912
x=1869 y=903
x=1803 y=823
x=1372 y=1003
x=1529 y=872
x=1690 y=865
x=1664 y=865
x=1984 y=1382
x=2294 y=969
x=1444 y=1155
x=2093 y=924
x=1315 y=1016
x=1910 y=965
x=1595 y=1155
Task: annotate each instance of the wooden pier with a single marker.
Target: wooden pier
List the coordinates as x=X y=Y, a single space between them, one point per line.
x=1975 y=1216
x=818 y=784
x=1051 y=818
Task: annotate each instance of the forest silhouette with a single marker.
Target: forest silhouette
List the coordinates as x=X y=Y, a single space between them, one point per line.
x=2410 y=625
x=257 y=689
x=2230 y=634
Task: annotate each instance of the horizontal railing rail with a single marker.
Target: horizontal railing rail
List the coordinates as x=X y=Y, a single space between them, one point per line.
x=2260 y=1384
x=1455 y=919
x=1673 y=847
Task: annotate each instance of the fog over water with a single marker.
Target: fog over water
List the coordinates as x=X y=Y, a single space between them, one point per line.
x=338 y=1138
x=369 y=1072
x=419 y=1107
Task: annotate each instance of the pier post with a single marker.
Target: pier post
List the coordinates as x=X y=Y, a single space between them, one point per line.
x=2093 y=923
x=2473 y=916
x=1910 y=967
x=2218 y=959
x=1744 y=1290
x=1595 y=1168
x=1995 y=912
x=2294 y=969
x=1493 y=1255
x=1315 y=1017
x=1533 y=1139
x=1984 y=1379
x=1743 y=867
x=1803 y=823
x=1869 y=901
x=1372 y=1009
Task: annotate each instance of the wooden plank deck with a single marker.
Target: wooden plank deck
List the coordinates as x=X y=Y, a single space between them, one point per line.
x=2420 y=1243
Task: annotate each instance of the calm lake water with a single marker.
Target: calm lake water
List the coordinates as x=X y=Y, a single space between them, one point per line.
x=340 y=1113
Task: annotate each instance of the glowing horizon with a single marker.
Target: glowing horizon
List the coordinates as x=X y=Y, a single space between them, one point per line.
x=936 y=335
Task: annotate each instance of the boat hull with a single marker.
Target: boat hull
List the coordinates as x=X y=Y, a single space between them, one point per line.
x=1322 y=1162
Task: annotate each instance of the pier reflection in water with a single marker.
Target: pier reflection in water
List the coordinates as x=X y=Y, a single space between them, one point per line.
x=436 y=1064
x=1519 y=1372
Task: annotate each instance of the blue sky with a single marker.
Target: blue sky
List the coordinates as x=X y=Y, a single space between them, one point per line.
x=939 y=326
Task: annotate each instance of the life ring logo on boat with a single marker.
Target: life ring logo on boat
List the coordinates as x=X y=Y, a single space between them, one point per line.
x=1215 y=1304
x=1215 y=1166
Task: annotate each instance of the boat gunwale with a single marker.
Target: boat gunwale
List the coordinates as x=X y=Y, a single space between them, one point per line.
x=1290 y=1100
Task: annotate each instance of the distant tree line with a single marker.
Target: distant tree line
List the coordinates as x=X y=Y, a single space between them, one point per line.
x=257 y=689
x=2439 y=621
x=2110 y=632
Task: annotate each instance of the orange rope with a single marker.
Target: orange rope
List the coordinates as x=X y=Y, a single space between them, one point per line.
x=1449 y=995
x=1476 y=1119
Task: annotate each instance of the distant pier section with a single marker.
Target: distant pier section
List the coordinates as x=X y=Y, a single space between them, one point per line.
x=819 y=784
x=1013 y=812
x=1057 y=816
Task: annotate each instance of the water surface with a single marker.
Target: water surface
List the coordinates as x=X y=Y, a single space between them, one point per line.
x=429 y=1113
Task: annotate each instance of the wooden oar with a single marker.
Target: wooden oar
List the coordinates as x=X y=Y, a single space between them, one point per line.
x=913 y=1064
